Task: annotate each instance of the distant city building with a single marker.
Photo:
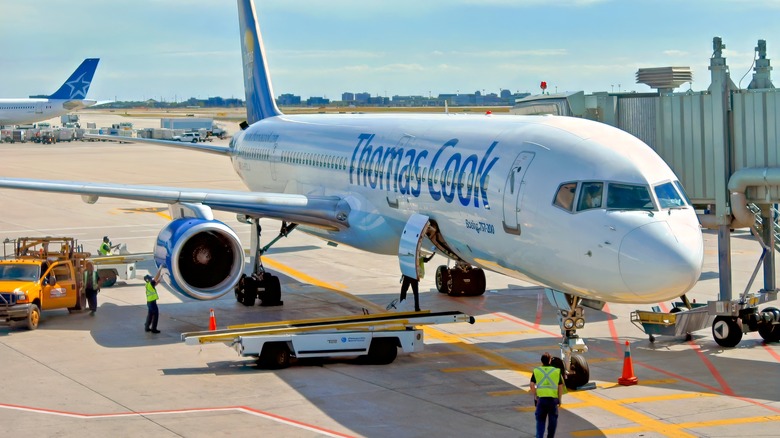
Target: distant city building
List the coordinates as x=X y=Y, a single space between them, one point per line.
x=317 y=101
x=362 y=97
x=288 y=100
x=347 y=97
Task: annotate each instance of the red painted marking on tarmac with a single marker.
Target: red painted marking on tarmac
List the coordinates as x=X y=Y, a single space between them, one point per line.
x=245 y=409
x=619 y=348
x=707 y=363
x=771 y=352
x=539 y=309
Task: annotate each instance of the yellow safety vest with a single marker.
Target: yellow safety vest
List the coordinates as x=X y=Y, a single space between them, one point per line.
x=105 y=249
x=421 y=262
x=547 y=379
x=151 y=292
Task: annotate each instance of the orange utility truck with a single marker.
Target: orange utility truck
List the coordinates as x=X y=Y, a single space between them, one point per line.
x=41 y=273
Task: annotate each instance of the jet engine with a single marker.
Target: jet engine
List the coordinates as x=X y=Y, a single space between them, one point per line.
x=204 y=258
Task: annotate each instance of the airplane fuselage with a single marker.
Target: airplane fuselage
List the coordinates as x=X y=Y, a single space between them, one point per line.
x=23 y=111
x=490 y=184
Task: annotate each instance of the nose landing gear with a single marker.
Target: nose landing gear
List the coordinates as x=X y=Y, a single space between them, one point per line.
x=571 y=317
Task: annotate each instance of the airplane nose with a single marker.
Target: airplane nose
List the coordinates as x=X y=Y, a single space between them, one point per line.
x=661 y=260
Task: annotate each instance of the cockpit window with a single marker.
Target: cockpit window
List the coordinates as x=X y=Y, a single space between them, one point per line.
x=564 y=197
x=682 y=192
x=668 y=197
x=628 y=197
x=590 y=195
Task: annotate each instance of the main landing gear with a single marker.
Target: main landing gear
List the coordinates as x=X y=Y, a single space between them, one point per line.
x=463 y=280
x=260 y=283
x=571 y=316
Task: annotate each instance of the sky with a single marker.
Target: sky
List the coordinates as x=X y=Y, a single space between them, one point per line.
x=176 y=49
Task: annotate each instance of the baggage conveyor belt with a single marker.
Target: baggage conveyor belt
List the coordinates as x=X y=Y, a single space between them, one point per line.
x=379 y=321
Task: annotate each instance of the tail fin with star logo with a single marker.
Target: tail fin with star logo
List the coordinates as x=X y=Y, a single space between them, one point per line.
x=77 y=85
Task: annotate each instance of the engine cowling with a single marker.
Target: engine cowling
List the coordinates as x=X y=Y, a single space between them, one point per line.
x=204 y=258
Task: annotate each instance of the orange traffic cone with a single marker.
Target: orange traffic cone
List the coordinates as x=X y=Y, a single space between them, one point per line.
x=628 y=378
x=212 y=321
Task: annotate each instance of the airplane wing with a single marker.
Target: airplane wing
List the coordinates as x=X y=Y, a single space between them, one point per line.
x=328 y=212
x=220 y=150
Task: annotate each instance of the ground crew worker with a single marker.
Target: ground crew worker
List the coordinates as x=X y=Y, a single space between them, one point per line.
x=547 y=390
x=105 y=247
x=414 y=282
x=153 y=313
x=91 y=287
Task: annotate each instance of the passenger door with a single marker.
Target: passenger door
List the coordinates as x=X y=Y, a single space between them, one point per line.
x=513 y=192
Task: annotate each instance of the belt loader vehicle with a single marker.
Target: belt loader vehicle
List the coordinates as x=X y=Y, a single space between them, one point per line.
x=375 y=339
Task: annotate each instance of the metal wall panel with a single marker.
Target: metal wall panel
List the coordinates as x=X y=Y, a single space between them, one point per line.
x=637 y=116
x=686 y=132
x=756 y=115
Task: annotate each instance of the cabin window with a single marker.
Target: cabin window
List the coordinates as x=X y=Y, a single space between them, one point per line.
x=628 y=197
x=668 y=197
x=564 y=197
x=590 y=196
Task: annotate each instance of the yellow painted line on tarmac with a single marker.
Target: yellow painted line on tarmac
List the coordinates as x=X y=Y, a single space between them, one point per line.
x=337 y=288
x=484 y=320
x=492 y=334
x=658 y=398
x=732 y=421
x=504 y=363
x=644 y=422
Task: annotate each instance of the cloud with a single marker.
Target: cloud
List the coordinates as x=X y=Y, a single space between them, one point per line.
x=327 y=54
x=676 y=53
x=511 y=53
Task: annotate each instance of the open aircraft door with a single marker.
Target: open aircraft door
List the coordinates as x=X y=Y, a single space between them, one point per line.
x=513 y=192
x=409 y=247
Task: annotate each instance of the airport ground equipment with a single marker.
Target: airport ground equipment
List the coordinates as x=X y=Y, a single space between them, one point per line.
x=684 y=319
x=375 y=339
x=119 y=265
x=40 y=273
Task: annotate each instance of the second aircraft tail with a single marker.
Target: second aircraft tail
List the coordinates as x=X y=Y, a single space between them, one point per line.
x=77 y=85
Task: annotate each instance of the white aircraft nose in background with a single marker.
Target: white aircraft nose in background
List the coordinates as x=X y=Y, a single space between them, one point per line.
x=661 y=259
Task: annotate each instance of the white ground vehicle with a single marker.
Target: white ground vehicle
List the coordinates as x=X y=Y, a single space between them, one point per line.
x=189 y=137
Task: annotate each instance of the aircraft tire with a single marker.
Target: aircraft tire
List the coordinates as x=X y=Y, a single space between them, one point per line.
x=770 y=332
x=579 y=373
x=275 y=356
x=442 y=278
x=726 y=331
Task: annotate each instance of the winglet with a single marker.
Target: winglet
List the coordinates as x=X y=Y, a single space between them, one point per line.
x=260 y=102
x=77 y=85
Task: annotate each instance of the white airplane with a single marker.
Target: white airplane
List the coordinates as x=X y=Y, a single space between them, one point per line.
x=584 y=209
x=71 y=96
